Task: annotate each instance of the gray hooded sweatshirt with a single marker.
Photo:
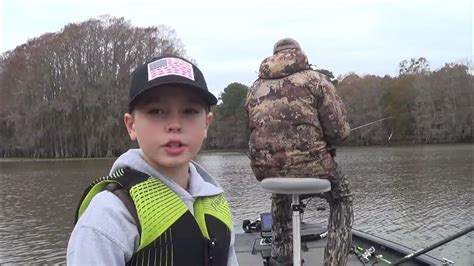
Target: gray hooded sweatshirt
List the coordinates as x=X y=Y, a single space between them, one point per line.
x=106 y=233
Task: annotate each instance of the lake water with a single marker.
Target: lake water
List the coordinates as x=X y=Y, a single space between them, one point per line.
x=414 y=195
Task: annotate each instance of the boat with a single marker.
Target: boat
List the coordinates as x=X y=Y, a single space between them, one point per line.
x=253 y=239
x=253 y=248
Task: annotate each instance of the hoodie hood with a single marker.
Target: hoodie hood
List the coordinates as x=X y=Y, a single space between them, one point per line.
x=201 y=184
x=283 y=63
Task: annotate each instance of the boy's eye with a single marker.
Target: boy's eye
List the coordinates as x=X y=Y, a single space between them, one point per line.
x=191 y=111
x=156 y=111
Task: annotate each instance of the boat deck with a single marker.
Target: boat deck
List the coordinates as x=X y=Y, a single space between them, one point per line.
x=250 y=252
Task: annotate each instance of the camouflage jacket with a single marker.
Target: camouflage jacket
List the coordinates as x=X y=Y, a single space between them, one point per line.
x=294 y=115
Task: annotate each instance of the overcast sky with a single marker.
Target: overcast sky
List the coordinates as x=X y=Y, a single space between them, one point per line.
x=229 y=39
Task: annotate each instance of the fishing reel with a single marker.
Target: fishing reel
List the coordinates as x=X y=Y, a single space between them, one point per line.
x=250 y=227
x=363 y=255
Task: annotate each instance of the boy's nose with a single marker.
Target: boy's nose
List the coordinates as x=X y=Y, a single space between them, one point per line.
x=174 y=124
x=174 y=127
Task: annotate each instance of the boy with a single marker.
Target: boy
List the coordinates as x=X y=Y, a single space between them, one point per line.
x=158 y=207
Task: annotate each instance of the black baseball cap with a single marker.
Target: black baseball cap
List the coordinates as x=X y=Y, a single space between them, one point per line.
x=168 y=70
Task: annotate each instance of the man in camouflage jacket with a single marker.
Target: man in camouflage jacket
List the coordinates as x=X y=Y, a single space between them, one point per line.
x=295 y=117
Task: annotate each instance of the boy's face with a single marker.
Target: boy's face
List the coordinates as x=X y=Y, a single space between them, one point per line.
x=170 y=123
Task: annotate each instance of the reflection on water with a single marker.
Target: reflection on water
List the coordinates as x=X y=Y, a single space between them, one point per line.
x=38 y=200
x=413 y=195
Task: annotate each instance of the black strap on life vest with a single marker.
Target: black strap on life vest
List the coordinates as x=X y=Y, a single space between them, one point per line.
x=121 y=189
x=122 y=182
x=124 y=196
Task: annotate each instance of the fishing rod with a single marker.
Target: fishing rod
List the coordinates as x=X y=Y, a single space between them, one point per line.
x=435 y=245
x=332 y=150
x=373 y=122
x=365 y=255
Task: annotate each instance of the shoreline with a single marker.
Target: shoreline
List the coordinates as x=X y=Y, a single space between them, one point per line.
x=207 y=151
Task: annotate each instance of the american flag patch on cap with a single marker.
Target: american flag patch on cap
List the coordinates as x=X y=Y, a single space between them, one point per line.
x=170 y=66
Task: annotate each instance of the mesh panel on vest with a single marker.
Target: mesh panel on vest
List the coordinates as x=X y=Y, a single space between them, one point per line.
x=158 y=207
x=95 y=187
x=218 y=207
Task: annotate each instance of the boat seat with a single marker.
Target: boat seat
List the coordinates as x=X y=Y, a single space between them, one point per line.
x=295 y=185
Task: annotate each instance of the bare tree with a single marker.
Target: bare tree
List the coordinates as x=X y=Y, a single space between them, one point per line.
x=70 y=87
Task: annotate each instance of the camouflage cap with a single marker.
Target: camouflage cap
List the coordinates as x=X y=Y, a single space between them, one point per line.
x=286 y=43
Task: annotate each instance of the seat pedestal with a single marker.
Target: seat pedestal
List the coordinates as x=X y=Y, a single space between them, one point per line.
x=296 y=186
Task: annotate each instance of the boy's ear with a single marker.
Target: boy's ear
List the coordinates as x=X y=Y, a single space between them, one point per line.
x=209 y=118
x=130 y=125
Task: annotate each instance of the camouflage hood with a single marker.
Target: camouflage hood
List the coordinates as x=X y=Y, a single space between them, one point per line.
x=283 y=63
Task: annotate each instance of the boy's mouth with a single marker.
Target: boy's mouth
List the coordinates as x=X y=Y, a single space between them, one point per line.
x=174 y=144
x=174 y=148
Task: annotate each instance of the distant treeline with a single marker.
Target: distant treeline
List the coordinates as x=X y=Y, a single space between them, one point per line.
x=424 y=106
x=64 y=94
